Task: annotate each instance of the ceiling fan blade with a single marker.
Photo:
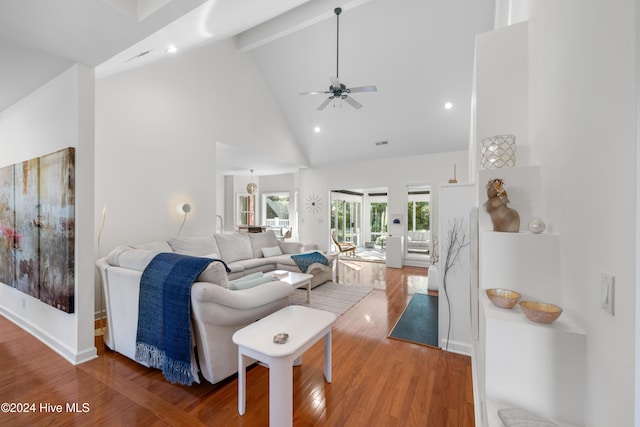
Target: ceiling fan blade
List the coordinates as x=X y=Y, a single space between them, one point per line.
x=314 y=92
x=355 y=104
x=363 y=89
x=325 y=103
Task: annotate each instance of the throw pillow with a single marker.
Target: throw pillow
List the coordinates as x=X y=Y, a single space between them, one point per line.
x=303 y=261
x=240 y=284
x=248 y=277
x=269 y=252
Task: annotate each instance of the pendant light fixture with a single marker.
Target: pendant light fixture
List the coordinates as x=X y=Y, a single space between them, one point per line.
x=252 y=186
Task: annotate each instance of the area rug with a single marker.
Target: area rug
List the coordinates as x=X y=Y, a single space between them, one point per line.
x=330 y=296
x=419 y=321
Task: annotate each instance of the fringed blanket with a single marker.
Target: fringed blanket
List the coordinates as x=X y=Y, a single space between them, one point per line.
x=164 y=309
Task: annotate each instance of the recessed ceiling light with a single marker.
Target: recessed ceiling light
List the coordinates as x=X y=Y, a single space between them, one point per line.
x=171 y=48
x=448 y=105
x=316 y=129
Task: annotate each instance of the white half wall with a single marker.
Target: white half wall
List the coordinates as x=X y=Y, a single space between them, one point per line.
x=59 y=114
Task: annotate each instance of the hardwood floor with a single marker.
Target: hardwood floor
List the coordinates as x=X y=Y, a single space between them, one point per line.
x=376 y=381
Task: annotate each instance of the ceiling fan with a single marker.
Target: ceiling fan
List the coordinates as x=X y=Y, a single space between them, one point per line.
x=338 y=90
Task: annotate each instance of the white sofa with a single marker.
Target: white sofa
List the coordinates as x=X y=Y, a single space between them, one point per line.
x=217 y=312
x=243 y=253
x=419 y=240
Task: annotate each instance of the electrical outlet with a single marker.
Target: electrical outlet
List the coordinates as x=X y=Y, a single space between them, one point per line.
x=607 y=293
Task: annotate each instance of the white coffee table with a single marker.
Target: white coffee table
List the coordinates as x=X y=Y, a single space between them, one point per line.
x=305 y=327
x=296 y=280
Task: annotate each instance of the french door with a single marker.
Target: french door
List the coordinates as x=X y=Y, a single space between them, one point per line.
x=346 y=217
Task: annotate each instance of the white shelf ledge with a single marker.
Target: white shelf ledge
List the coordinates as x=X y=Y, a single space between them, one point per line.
x=493 y=420
x=563 y=324
x=528 y=365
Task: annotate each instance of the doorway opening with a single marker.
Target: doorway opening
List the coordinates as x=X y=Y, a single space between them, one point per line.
x=360 y=216
x=418 y=237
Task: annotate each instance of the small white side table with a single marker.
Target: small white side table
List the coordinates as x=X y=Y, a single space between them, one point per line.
x=305 y=327
x=296 y=280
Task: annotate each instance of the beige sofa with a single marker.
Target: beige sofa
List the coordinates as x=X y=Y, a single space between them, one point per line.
x=217 y=312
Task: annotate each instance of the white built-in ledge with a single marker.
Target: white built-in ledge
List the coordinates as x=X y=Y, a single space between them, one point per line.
x=536 y=367
x=563 y=324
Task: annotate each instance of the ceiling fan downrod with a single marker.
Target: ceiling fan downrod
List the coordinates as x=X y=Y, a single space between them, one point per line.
x=339 y=90
x=337 y=11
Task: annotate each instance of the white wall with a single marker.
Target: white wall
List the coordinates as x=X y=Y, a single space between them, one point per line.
x=637 y=356
x=58 y=115
x=220 y=202
x=393 y=173
x=583 y=134
x=156 y=133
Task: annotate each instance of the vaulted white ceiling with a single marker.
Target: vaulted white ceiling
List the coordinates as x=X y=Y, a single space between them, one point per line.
x=419 y=54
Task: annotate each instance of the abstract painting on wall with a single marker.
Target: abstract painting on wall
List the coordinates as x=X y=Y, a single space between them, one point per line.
x=37 y=228
x=7 y=226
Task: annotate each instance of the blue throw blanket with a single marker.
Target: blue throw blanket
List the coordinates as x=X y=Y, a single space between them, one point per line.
x=164 y=311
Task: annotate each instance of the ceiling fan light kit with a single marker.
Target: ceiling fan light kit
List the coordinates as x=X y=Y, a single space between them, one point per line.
x=338 y=90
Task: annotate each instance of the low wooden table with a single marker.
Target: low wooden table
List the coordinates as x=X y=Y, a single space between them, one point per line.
x=296 y=280
x=305 y=327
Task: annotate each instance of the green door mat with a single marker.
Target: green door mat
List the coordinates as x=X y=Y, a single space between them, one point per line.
x=419 y=321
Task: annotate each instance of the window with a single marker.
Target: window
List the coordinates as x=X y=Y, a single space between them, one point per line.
x=418 y=216
x=276 y=210
x=378 y=217
x=346 y=215
x=245 y=209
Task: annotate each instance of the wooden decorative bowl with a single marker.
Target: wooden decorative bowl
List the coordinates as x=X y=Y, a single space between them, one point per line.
x=540 y=312
x=503 y=298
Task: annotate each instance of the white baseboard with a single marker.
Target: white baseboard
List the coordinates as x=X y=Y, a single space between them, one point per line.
x=416 y=263
x=49 y=340
x=457 y=347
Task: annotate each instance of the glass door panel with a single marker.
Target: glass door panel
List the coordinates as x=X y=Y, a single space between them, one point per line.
x=346 y=217
x=418 y=241
x=378 y=214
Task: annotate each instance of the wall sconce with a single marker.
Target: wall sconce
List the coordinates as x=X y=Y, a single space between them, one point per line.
x=183 y=208
x=396 y=221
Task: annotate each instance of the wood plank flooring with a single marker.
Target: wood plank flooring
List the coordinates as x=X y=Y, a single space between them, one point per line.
x=376 y=381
